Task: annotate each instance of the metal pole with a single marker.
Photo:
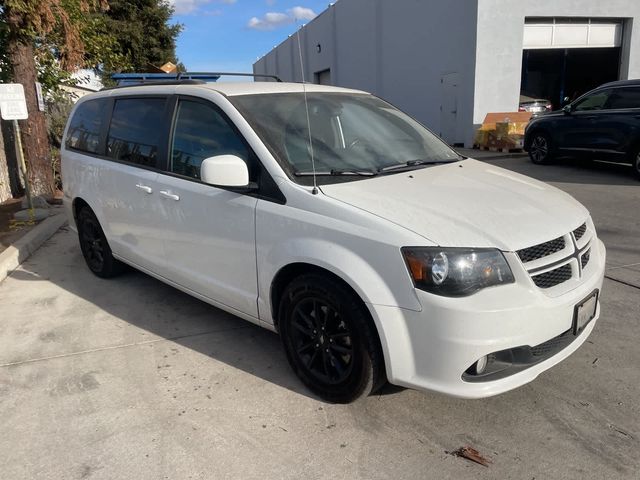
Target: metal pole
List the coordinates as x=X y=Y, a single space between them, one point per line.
x=23 y=165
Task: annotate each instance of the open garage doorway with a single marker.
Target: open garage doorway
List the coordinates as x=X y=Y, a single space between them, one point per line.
x=566 y=57
x=556 y=74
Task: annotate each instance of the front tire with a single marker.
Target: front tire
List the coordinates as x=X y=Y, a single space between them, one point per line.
x=95 y=248
x=541 y=149
x=329 y=339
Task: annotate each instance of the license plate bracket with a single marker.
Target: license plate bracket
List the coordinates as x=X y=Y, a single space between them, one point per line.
x=585 y=311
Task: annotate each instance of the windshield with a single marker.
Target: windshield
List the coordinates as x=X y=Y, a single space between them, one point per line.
x=353 y=135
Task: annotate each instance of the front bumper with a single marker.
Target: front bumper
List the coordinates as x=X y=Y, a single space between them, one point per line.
x=432 y=349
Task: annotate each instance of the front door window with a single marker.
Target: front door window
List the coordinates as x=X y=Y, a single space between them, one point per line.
x=595 y=101
x=202 y=132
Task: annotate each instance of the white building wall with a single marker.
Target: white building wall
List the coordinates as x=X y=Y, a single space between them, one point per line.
x=396 y=49
x=500 y=37
x=400 y=49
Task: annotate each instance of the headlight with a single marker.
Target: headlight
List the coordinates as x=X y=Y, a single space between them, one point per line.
x=456 y=272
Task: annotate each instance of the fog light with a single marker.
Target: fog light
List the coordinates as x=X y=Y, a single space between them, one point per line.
x=481 y=365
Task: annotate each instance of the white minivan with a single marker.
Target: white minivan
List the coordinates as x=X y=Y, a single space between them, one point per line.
x=331 y=217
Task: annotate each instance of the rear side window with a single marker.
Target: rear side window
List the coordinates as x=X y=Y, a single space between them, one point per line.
x=84 y=130
x=136 y=131
x=624 y=98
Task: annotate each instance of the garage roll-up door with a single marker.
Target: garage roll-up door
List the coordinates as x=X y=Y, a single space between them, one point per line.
x=571 y=33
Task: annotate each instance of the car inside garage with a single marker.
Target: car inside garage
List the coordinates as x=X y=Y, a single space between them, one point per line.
x=566 y=57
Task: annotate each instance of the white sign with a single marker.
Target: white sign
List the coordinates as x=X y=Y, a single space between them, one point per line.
x=13 y=105
x=41 y=105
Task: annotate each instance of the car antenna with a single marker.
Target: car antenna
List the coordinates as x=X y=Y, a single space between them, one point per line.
x=306 y=106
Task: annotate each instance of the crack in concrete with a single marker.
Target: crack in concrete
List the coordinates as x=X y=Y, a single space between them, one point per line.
x=637 y=287
x=624 y=266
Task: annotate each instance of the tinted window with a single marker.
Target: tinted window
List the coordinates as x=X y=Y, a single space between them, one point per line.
x=624 y=98
x=84 y=129
x=202 y=132
x=595 y=101
x=136 y=130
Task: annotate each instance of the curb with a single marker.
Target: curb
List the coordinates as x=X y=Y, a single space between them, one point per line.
x=22 y=249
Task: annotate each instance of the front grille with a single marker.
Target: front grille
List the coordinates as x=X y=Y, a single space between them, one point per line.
x=585 y=258
x=579 y=232
x=541 y=257
x=553 y=277
x=542 y=250
x=551 y=345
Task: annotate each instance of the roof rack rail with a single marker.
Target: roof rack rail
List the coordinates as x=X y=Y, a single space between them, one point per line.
x=237 y=74
x=180 y=78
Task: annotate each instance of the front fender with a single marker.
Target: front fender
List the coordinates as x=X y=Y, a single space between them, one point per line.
x=362 y=274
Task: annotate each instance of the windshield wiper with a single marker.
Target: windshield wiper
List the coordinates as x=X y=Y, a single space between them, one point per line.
x=412 y=163
x=337 y=173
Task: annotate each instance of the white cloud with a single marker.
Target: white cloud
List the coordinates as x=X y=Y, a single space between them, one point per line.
x=302 y=13
x=273 y=20
x=186 y=7
x=270 y=21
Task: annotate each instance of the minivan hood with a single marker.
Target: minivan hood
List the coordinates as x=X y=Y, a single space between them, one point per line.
x=466 y=204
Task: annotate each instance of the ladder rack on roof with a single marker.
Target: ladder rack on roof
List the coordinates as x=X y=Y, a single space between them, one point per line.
x=137 y=79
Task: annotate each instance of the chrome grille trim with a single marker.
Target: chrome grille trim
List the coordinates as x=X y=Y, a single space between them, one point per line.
x=541 y=250
x=585 y=258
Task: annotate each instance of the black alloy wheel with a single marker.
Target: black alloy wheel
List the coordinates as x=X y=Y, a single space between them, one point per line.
x=329 y=339
x=323 y=340
x=540 y=150
x=94 y=246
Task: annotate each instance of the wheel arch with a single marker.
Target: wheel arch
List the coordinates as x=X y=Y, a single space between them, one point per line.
x=78 y=204
x=290 y=272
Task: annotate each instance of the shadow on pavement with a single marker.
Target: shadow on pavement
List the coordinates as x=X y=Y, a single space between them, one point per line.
x=146 y=303
x=163 y=311
x=570 y=170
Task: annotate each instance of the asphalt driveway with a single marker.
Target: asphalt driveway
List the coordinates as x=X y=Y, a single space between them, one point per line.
x=130 y=378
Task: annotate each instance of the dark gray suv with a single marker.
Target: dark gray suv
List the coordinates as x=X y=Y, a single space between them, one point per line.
x=602 y=124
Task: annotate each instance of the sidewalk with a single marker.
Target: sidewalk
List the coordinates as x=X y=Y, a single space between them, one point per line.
x=22 y=246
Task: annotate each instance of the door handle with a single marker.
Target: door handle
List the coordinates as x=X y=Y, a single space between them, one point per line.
x=144 y=188
x=170 y=195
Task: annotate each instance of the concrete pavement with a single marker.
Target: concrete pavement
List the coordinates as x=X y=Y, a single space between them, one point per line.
x=12 y=256
x=130 y=378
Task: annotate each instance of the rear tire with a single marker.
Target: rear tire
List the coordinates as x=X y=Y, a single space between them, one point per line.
x=541 y=150
x=329 y=339
x=94 y=246
x=635 y=161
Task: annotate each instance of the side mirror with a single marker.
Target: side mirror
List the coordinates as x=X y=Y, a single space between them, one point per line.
x=225 y=171
x=567 y=109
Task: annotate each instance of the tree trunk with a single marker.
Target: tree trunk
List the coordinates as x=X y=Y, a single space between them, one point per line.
x=5 y=184
x=34 y=129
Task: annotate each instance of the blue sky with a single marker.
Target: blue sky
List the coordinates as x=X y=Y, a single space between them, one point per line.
x=229 y=35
